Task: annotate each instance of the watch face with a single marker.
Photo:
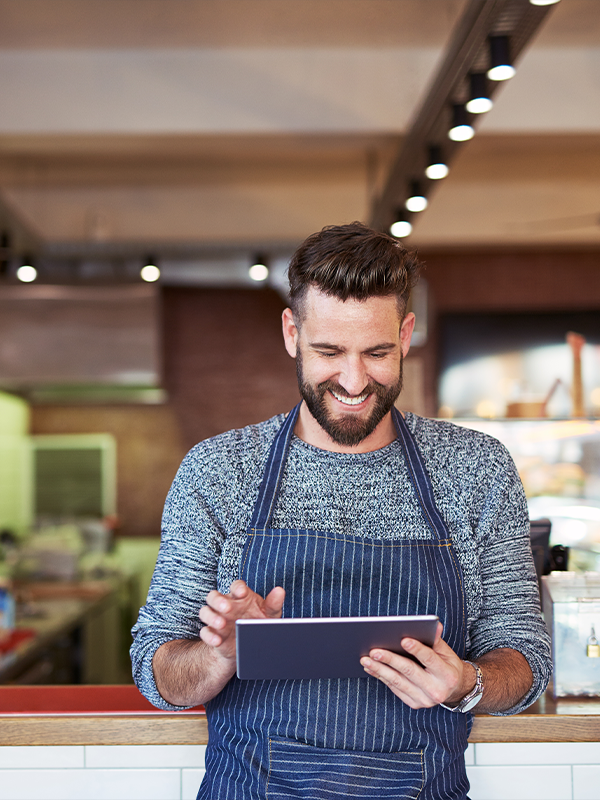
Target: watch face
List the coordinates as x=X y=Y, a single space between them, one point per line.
x=470 y=703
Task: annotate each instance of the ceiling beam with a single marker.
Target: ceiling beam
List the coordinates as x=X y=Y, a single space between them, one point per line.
x=467 y=52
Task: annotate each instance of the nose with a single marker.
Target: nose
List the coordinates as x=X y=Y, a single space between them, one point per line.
x=353 y=376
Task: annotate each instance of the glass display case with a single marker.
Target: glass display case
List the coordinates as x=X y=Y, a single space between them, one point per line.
x=559 y=464
x=571 y=603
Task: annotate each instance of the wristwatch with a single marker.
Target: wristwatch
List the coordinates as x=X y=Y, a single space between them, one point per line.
x=470 y=700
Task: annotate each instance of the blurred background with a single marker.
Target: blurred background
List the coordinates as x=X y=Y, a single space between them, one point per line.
x=160 y=160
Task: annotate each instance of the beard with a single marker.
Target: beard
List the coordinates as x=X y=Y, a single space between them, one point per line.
x=347 y=430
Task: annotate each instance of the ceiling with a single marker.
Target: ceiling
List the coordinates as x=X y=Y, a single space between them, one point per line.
x=223 y=123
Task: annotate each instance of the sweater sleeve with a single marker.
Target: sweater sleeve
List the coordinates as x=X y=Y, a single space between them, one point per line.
x=186 y=570
x=204 y=522
x=510 y=607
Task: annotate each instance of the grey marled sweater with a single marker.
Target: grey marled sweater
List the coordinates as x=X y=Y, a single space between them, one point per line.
x=476 y=488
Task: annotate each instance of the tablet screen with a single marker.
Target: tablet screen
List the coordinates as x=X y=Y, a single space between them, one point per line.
x=324 y=647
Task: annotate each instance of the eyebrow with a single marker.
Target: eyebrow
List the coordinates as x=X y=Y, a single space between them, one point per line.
x=328 y=346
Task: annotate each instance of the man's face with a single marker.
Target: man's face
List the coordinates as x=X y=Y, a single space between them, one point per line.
x=349 y=362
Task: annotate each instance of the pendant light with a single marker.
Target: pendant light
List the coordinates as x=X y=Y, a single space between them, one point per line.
x=150 y=272
x=479 y=99
x=461 y=129
x=436 y=166
x=401 y=227
x=27 y=273
x=259 y=271
x=416 y=201
x=501 y=68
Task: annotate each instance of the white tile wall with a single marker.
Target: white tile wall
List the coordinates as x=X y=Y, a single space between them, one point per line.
x=586 y=782
x=520 y=783
x=132 y=756
x=470 y=754
x=190 y=783
x=540 y=753
x=40 y=757
x=90 y=784
x=551 y=771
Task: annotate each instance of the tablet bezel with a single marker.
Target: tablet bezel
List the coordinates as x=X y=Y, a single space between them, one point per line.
x=321 y=647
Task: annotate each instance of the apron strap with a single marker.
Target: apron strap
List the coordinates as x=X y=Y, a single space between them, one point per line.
x=276 y=460
x=271 y=481
x=419 y=477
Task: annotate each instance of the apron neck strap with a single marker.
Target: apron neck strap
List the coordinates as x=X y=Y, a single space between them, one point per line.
x=271 y=481
x=273 y=474
x=419 y=477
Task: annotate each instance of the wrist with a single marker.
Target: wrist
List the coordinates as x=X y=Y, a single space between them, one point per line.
x=473 y=694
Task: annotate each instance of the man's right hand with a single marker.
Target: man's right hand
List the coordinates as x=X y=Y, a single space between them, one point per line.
x=189 y=672
x=222 y=610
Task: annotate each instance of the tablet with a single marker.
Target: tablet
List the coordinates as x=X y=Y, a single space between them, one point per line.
x=323 y=647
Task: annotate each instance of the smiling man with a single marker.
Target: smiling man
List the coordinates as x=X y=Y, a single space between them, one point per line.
x=345 y=507
x=349 y=363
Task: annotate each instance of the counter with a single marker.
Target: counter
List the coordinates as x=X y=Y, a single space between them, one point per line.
x=102 y=742
x=119 y=715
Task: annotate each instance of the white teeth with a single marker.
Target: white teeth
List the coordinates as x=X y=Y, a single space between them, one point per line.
x=350 y=401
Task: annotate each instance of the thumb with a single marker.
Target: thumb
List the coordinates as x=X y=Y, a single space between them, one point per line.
x=274 y=602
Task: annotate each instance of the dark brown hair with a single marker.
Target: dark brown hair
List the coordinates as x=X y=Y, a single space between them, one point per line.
x=352 y=261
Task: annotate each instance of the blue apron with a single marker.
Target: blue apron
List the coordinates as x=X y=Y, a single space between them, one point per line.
x=327 y=739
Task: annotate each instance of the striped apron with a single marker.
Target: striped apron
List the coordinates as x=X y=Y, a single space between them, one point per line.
x=326 y=739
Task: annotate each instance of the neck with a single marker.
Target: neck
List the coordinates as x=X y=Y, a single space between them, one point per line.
x=308 y=429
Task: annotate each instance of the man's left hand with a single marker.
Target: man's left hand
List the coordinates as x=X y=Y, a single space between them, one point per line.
x=439 y=677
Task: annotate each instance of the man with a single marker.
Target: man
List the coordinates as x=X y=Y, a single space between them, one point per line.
x=345 y=507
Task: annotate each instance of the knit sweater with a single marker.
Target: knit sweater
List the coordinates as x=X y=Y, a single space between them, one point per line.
x=476 y=488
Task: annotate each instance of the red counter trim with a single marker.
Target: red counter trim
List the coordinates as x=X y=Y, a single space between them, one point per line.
x=81 y=700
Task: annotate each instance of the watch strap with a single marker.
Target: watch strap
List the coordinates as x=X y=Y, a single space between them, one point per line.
x=471 y=699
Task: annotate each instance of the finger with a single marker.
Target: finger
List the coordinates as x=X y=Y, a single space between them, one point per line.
x=238 y=590
x=210 y=617
x=400 y=684
x=413 y=678
x=210 y=637
x=219 y=602
x=438 y=633
x=273 y=604
x=405 y=666
x=424 y=655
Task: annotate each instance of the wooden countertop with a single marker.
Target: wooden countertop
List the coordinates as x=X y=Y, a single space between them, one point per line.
x=118 y=715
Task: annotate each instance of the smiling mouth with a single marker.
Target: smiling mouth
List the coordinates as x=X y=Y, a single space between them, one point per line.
x=350 y=401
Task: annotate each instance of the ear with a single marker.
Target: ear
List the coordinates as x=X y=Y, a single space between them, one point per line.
x=406 y=331
x=290 y=332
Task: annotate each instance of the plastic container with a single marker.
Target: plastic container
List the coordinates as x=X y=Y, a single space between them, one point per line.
x=571 y=603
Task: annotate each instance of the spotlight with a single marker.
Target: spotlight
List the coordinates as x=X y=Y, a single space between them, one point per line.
x=461 y=130
x=27 y=272
x=150 y=272
x=501 y=68
x=259 y=270
x=479 y=101
x=416 y=201
x=401 y=227
x=543 y=2
x=436 y=166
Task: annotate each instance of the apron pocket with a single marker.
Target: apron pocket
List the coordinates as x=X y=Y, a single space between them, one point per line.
x=303 y=772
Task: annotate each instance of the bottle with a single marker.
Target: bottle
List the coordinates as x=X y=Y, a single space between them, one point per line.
x=7 y=609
